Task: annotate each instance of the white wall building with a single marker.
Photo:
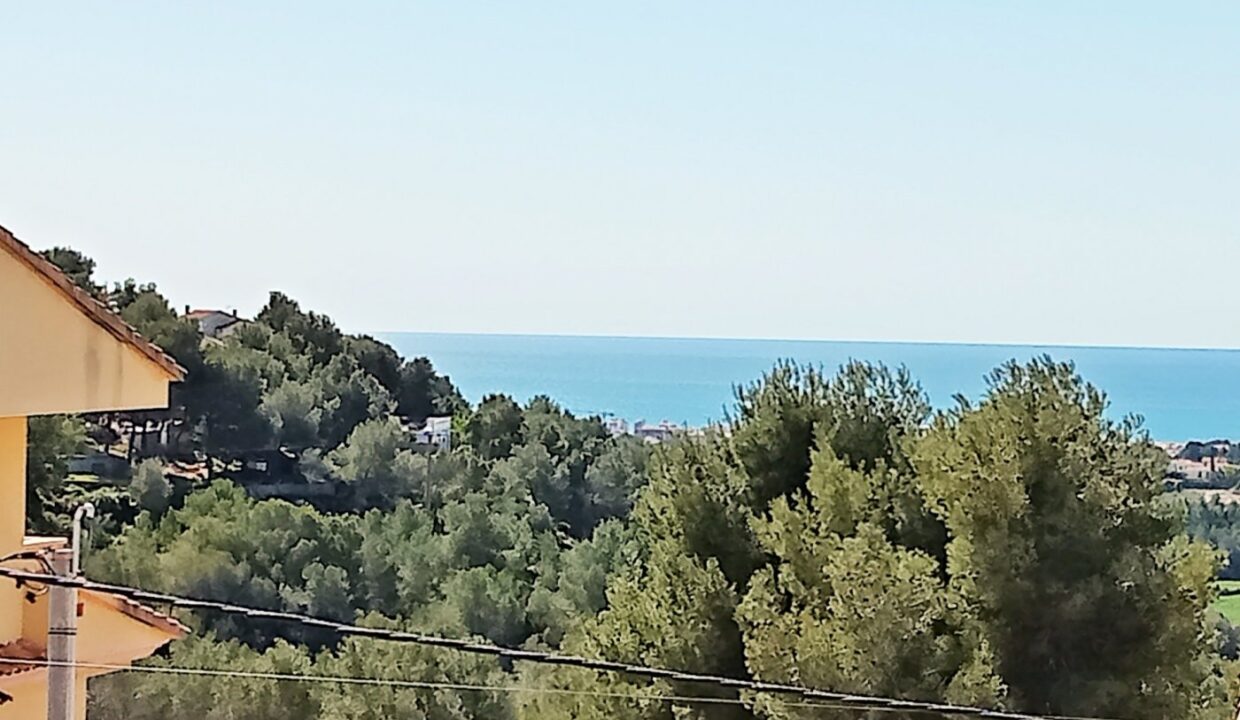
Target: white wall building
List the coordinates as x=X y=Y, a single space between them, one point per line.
x=436 y=432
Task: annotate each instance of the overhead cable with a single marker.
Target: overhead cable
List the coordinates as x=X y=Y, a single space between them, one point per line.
x=810 y=695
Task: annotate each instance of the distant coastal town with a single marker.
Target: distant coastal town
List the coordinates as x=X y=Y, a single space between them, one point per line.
x=1208 y=468
x=650 y=432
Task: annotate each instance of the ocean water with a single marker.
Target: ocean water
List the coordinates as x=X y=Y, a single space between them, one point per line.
x=1181 y=394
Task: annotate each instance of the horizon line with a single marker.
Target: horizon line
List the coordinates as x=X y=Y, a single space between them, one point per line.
x=707 y=338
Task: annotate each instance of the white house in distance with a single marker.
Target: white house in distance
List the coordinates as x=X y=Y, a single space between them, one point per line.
x=650 y=432
x=437 y=433
x=656 y=433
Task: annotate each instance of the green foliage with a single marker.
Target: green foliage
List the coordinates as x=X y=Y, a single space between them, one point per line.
x=139 y=696
x=424 y=392
x=583 y=475
x=51 y=441
x=363 y=658
x=225 y=546
x=149 y=488
x=124 y=294
x=292 y=379
x=354 y=397
x=864 y=412
x=289 y=378
x=311 y=334
x=511 y=537
x=156 y=696
x=377 y=463
x=230 y=409
x=1063 y=557
x=494 y=429
x=481 y=555
x=77 y=266
x=557 y=603
x=378 y=359
x=1217 y=523
x=150 y=314
x=678 y=616
x=295 y=411
x=1011 y=553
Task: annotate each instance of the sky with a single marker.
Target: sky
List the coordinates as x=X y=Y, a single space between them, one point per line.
x=1041 y=172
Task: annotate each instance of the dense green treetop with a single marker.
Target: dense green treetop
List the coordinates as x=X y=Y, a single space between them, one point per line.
x=1011 y=552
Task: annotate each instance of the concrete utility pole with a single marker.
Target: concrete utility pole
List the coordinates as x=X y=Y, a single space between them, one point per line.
x=62 y=616
x=61 y=641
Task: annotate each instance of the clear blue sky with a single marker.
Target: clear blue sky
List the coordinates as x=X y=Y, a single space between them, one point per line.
x=952 y=171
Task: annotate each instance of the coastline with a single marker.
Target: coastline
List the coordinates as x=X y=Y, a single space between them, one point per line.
x=1182 y=394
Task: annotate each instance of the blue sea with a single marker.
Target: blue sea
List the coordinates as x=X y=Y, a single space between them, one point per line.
x=1181 y=394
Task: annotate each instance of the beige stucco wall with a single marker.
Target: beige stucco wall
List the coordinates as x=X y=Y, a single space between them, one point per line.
x=56 y=359
x=29 y=694
x=106 y=636
x=12 y=518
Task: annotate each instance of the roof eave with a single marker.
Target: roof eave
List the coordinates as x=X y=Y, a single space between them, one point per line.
x=90 y=306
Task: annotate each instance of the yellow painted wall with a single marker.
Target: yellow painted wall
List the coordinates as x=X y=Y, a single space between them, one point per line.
x=29 y=693
x=12 y=518
x=56 y=359
x=106 y=635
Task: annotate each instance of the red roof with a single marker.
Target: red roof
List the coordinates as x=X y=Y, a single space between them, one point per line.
x=200 y=313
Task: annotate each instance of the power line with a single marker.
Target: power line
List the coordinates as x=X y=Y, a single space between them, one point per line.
x=412 y=684
x=811 y=695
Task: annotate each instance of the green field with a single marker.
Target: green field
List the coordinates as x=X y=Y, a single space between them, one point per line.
x=1229 y=605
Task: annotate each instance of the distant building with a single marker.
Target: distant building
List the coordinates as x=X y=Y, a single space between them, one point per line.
x=1194 y=450
x=267 y=466
x=436 y=433
x=215 y=323
x=656 y=433
x=616 y=426
x=101 y=464
x=1191 y=469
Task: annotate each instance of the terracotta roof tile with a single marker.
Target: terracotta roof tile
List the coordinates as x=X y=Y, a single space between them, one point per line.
x=142 y=613
x=19 y=650
x=95 y=310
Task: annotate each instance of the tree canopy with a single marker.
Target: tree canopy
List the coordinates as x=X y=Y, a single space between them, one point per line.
x=1012 y=551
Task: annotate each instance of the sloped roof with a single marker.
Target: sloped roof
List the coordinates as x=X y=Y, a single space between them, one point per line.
x=141 y=613
x=91 y=307
x=35 y=658
x=200 y=313
x=20 y=650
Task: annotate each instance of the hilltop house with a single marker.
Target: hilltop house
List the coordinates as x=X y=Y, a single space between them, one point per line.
x=215 y=323
x=62 y=351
